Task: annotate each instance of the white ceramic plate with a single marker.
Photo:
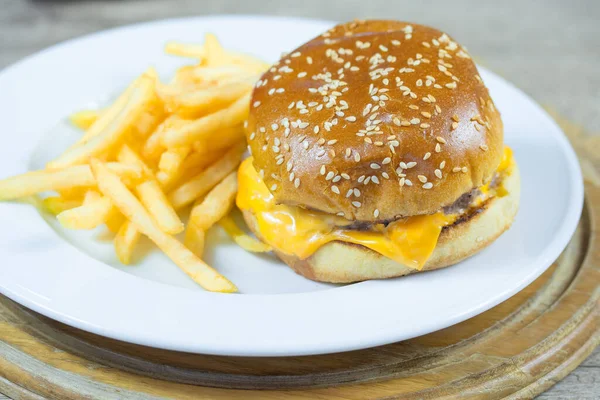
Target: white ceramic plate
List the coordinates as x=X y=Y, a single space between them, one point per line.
x=73 y=276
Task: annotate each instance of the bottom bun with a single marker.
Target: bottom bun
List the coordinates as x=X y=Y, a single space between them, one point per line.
x=340 y=262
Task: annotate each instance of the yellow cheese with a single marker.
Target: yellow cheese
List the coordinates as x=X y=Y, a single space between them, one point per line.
x=300 y=232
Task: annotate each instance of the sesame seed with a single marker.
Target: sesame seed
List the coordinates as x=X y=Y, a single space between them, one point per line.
x=274 y=127
x=438 y=148
x=454 y=125
x=385 y=175
x=374 y=179
x=428 y=185
x=484 y=147
x=408 y=182
x=273 y=187
x=375 y=166
x=424 y=125
x=336 y=179
x=426 y=156
x=356 y=192
x=411 y=164
x=401 y=181
x=296 y=182
x=441 y=140
x=425 y=114
x=451 y=85
x=356 y=157
x=351 y=118
x=335 y=189
x=422 y=178
x=271 y=91
x=403 y=165
x=309 y=60
x=386 y=160
x=367 y=180
x=396 y=121
x=292 y=175
x=438 y=173
x=456 y=169
x=322 y=170
x=361 y=179
x=256 y=104
x=464 y=169
x=356 y=204
x=349 y=193
x=332 y=141
x=330 y=175
x=302 y=74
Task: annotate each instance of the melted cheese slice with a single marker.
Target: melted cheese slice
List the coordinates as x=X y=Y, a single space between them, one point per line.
x=300 y=232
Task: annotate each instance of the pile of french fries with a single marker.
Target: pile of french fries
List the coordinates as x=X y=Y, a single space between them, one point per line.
x=157 y=149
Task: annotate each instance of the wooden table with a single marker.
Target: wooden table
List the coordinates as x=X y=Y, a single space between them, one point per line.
x=547 y=48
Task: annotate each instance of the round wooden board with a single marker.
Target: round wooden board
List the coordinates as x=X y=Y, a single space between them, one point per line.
x=515 y=350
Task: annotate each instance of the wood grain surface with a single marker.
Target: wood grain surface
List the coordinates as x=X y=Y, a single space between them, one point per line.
x=547 y=48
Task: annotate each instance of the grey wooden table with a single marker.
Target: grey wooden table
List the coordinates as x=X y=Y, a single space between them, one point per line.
x=547 y=48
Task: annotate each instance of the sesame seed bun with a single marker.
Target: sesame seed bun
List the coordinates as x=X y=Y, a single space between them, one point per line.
x=341 y=262
x=373 y=121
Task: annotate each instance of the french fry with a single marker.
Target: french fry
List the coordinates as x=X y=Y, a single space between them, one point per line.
x=125 y=242
x=155 y=201
x=215 y=54
x=199 y=185
x=84 y=119
x=243 y=240
x=194 y=239
x=87 y=216
x=223 y=139
x=112 y=187
x=185 y=50
x=216 y=204
x=151 y=194
x=214 y=74
x=153 y=148
x=57 y=204
x=137 y=101
x=205 y=127
x=171 y=160
x=204 y=100
x=206 y=213
x=114 y=220
x=45 y=180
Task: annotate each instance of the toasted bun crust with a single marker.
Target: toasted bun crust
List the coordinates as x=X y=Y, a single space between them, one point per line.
x=341 y=262
x=395 y=110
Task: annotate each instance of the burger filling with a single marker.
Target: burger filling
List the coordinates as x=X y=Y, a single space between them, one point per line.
x=409 y=241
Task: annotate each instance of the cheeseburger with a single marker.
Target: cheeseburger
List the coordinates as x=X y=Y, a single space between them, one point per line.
x=376 y=152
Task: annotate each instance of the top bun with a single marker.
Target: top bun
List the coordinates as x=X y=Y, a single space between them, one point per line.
x=374 y=120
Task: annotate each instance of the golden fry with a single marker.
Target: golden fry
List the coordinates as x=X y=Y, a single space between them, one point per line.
x=153 y=147
x=87 y=216
x=45 y=180
x=125 y=242
x=221 y=140
x=204 y=100
x=84 y=119
x=57 y=204
x=114 y=132
x=111 y=186
x=205 y=127
x=185 y=50
x=155 y=201
x=207 y=179
x=194 y=239
x=171 y=160
x=216 y=204
x=243 y=240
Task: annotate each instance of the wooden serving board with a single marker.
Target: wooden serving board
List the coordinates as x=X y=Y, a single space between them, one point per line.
x=515 y=350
